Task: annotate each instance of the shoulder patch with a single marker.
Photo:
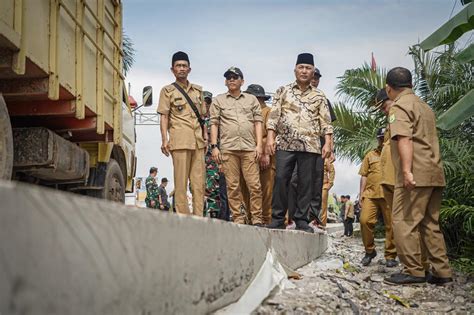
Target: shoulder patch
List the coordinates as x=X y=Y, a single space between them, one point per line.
x=391 y=118
x=197 y=87
x=169 y=88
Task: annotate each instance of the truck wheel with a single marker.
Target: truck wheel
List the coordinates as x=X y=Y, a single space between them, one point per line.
x=6 y=142
x=114 y=184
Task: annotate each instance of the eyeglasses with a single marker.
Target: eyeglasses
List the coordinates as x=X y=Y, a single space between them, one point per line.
x=232 y=77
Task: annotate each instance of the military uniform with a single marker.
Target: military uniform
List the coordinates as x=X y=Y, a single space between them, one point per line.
x=416 y=212
x=266 y=179
x=373 y=202
x=328 y=180
x=151 y=199
x=186 y=144
x=213 y=202
x=235 y=117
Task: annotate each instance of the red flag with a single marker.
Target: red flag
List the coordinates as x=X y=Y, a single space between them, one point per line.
x=373 y=64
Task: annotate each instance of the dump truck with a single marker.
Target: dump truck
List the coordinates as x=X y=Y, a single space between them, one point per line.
x=65 y=117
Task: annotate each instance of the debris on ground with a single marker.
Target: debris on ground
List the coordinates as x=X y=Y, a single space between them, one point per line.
x=338 y=283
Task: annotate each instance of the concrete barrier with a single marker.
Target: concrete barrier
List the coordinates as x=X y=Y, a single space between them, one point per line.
x=339 y=227
x=66 y=254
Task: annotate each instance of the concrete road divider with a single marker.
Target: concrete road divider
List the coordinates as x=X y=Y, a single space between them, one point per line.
x=66 y=254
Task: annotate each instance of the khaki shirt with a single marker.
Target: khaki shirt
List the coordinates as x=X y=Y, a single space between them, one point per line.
x=235 y=117
x=329 y=174
x=299 y=118
x=185 y=131
x=386 y=164
x=265 y=115
x=349 y=211
x=372 y=169
x=411 y=117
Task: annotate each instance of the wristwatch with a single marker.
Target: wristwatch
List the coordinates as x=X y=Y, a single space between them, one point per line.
x=213 y=146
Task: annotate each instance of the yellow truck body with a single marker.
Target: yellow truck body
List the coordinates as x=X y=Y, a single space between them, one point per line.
x=61 y=69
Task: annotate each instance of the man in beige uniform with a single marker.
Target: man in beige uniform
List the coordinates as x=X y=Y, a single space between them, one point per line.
x=267 y=163
x=383 y=103
x=419 y=182
x=373 y=202
x=328 y=181
x=238 y=117
x=187 y=139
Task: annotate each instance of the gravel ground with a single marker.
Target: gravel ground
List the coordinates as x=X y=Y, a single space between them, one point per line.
x=337 y=283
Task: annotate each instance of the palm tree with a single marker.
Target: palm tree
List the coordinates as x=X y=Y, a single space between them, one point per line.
x=356 y=123
x=128 y=53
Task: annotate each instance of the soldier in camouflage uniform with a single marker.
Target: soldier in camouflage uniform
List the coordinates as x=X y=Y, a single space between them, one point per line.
x=151 y=199
x=213 y=201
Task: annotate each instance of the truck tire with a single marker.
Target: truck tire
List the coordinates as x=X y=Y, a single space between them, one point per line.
x=6 y=142
x=114 y=184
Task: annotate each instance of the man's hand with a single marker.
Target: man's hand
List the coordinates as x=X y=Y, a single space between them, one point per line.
x=162 y=207
x=332 y=157
x=216 y=155
x=152 y=203
x=270 y=146
x=326 y=152
x=258 y=152
x=408 y=181
x=264 y=161
x=165 y=147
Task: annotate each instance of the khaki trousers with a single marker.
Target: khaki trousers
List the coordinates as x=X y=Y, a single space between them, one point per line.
x=234 y=163
x=368 y=219
x=324 y=207
x=388 y=196
x=267 y=178
x=416 y=226
x=189 y=166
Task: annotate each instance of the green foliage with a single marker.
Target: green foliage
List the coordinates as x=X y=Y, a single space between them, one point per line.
x=457 y=224
x=355 y=132
x=357 y=124
x=128 y=53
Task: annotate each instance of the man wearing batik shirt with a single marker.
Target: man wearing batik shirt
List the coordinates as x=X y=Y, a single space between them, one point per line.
x=299 y=116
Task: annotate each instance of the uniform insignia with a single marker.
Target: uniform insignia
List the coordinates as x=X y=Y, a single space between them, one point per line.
x=180 y=108
x=391 y=118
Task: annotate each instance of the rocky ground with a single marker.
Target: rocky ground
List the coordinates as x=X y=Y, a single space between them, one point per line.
x=338 y=283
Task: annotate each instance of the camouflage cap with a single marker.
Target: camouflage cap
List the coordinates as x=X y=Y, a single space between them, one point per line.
x=257 y=91
x=234 y=70
x=207 y=94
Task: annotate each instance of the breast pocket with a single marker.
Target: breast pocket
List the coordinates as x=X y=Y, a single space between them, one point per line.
x=179 y=107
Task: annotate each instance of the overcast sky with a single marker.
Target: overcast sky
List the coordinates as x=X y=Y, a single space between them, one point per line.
x=263 y=38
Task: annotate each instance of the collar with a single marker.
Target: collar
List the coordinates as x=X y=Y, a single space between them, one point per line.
x=185 y=87
x=405 y=92
x=295 y=85
x=227 y=94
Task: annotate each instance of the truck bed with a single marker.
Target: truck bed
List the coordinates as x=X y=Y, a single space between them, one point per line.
x=60 y=66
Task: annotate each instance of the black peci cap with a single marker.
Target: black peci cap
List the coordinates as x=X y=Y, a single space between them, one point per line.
x=305 y=58
x=177 y=56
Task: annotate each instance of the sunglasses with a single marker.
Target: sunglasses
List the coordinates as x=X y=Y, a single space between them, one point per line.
x=232 y=77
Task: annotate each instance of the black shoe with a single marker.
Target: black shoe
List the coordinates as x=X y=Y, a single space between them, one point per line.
x=390 y=263
x=276 y=225
x=437 y=280
x=368 y=258
x=402 y=278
